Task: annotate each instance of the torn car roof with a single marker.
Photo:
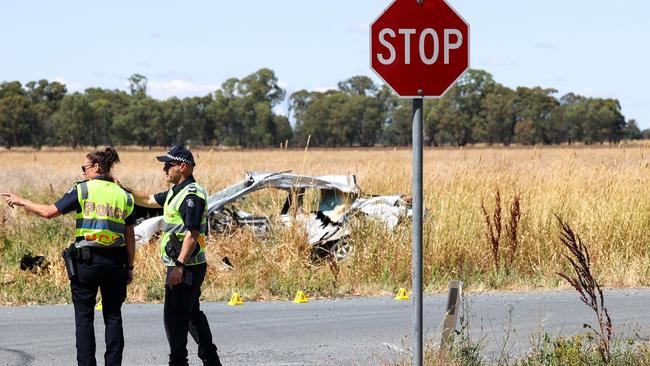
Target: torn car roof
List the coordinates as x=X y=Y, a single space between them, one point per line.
x=281 y=180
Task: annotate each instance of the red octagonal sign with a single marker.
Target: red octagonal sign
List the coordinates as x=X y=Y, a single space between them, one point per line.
x=419 y=47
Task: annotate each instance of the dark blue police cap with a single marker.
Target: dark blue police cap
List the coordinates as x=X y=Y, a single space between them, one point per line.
x=177 y=154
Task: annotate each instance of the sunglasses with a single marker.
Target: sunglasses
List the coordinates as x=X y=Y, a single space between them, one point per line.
x=85 y=167
x=168 y=165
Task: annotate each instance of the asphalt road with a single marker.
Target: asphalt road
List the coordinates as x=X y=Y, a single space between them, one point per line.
x=356 y=331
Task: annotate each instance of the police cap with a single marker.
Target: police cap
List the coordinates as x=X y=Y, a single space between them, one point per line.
x=177 y=154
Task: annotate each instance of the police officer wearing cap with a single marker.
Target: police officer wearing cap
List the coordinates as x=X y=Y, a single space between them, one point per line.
x=182 y=247
x=104 y=250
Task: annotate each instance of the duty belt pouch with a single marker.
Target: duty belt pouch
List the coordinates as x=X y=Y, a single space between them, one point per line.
x=173 y=247
x=84 y=253
x=69 y=255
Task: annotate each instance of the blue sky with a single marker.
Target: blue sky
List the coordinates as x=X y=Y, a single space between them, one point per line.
x=594 y=48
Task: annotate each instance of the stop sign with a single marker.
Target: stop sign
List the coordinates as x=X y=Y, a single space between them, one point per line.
x=419 y=47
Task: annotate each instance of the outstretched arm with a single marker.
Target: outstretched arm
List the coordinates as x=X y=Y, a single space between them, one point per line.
x=45 y=211
x=143 y=199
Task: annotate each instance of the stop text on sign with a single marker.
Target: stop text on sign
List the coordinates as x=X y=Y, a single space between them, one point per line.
x=428 y=42
x=419 y=47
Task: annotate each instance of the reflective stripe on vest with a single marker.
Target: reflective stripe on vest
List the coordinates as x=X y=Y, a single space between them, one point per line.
x=104 y=208
x=84 y=194
x=173 y=223
x=181 y=228
x=94 y=224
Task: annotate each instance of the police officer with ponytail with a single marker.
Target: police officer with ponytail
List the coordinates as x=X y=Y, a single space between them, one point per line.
x=102 y=254
x=182 y=247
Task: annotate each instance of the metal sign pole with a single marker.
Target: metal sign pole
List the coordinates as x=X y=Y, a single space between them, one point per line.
x=417 y=230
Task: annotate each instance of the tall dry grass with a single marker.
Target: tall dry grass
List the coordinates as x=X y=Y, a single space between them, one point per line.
x=603 y=192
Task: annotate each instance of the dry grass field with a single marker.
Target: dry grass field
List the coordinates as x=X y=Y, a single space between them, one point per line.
x=602 y=192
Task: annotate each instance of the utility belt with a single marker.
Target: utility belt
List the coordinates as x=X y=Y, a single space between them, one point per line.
x=73 y=255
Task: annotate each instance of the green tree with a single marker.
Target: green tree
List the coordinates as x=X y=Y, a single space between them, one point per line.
x=572 y=109
x=499 y=116
x=456 y=125
x=106 y=105
x=15 y=115
x=362 y=111
x=138 y=85
x=323 y=120
x=461 y=112
x=370 y=120
x=172 y=120
x=103 y=120
x=526 y=133
x=202 y=121
x=284 y=133
x=592 y=120
x=263 y=132
x=399 y=131
x=17 y=121
x=261 y=86
x=358 y=85
x=141 y=123
x=646 y=134
x=351 y=116
x=225 y=131
x=246 y=117
x=74 y=121
x=604 y=121
x=387 y=101
x=298 y=103
x=432 y=131
x=535 y=107
x=11 y=88
x=187 y=120
x=45 y=99
x=632 y=131
x=359 y=113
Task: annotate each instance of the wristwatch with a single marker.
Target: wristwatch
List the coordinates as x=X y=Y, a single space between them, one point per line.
x=179 y=263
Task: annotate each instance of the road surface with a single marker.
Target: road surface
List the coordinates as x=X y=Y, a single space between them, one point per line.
x=355 y=331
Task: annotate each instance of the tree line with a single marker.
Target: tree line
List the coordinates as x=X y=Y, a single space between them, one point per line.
x=358 y=113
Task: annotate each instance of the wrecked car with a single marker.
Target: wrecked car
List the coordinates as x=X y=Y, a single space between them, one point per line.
x=322 y=205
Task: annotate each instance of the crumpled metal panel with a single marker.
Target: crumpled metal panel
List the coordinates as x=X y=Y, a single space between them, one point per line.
x=281 y=180
x=145 y=230
x=329 y=224
x=288 y=181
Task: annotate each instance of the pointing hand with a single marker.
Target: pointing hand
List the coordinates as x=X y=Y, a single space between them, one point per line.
x=12 y=200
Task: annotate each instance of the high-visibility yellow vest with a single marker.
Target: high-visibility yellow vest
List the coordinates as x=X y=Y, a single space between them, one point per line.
x=104 y=208
x=173 y=223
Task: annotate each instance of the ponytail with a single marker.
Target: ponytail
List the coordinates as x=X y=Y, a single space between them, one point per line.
x=104 y=159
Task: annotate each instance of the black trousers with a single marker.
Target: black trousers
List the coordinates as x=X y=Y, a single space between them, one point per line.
x=104 y=270
x=183 y=314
